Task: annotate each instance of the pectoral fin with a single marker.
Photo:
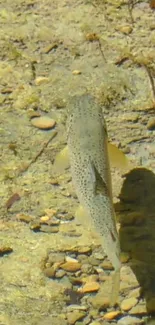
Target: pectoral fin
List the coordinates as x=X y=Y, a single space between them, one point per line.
x=83 y=217
x=62 y=160
x=117 y=158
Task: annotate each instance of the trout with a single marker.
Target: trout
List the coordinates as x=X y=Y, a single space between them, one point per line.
x=88 y=153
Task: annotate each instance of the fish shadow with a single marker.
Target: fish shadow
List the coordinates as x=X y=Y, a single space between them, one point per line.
x=136 y=215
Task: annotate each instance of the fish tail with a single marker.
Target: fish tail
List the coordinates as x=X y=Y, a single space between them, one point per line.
x=115 y=288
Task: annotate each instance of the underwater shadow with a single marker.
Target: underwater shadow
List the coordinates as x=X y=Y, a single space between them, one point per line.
x=136 y=212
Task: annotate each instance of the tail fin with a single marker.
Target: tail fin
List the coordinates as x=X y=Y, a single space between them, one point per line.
x=115 y=288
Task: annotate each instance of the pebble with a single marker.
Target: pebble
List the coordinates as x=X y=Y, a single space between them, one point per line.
x=56 y=257
x=124 y=257
x=111 y=315
x=59 y=274
x=76 y=72
x=49 y=229
x=25 y=218
x=65 y=283
x=106 y=265
x=75 y=280
x=41 y=80
x=71 y=266
x=31 y=113
x=131 y=117
x=99 y=270
x=70 y=259
x=75 y=316
x=43 y=122
x=90 y=278
x=99 y=256
x=126 y=29
x=91 y=37
x=128 y=303
x=50 y=212
x=93 y=261
x=151 y=124
x=152 y=4
x=35 y=225
x=89 y=287
x=49 y=272
x=130 y=320
x=5 y=250
x=76 y=307
x=86 y=268
x=83 y=249
x=44 y=219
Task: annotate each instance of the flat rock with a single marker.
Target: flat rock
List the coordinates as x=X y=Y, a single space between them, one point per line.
x=76 y=307
x=49 y=229
x=130 y=320
x=100 y=302
x=56 y=257
x=135 y=293
x=140 y=309
x=43 y=122
x=74 y=316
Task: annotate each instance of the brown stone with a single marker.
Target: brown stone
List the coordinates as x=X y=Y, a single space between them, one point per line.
x=106 y=265
x=49 y=272
x=23 y=217
x=128 y=303
x=41 y=80
x=89 y=287
x=76 y=72
x=71 y=266
x=111 y=315
x=43 y=122
x=126 y=29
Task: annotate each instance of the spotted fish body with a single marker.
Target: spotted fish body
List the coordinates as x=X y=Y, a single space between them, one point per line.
x=87 y=142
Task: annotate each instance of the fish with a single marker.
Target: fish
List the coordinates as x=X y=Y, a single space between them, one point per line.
x=87 y=141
